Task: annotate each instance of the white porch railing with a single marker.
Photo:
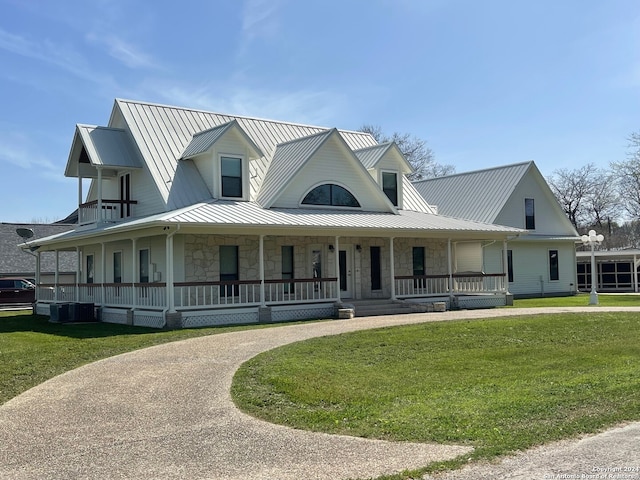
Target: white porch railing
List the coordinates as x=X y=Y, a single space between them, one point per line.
x=247 y=292
x=112 y=210
x=300 y=290
x=215 y=294
x=437 y=285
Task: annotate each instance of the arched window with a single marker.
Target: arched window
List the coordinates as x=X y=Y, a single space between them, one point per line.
x=330 y=194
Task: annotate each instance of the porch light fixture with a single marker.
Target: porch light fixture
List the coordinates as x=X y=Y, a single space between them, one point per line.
x=359 y=247
x=331 y=248
x=593 y=239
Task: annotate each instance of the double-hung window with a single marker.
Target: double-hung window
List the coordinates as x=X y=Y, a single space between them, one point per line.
x=231 y=177
x=390 y=186
x=529 y=214
x=554 y=268
x=287 y=267
x=229 y=270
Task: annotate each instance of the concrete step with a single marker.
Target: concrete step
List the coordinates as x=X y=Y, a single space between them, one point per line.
x=369 y=308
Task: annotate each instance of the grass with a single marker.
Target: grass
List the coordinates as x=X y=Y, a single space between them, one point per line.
x=499 y=385
x=580 y=300
x=33 y=350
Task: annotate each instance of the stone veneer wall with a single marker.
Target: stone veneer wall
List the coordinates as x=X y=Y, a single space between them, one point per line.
x=201 y=256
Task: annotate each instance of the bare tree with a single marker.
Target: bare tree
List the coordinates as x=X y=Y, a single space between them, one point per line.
x=571 y=188
x=627 y=174
x=415 y=150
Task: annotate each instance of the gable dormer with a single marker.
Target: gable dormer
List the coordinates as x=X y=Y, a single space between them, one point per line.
x=222 y=156
x=387 y=165
x=320 y=171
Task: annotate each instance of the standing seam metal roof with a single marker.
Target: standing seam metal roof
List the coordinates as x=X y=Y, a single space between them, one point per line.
x=478 y=195
x=163 y=132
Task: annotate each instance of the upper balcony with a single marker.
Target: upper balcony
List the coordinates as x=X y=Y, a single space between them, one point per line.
x=105 y=211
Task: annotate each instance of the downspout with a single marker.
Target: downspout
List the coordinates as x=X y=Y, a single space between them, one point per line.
x=79 y=262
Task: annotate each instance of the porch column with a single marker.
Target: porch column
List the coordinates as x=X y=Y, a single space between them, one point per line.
x=450 y=267
x=56 y=276
x=134 y=271
x=261 y=260
x=171 y=300
x=505 y=266
x=392 y=269
x=99 y=213
x=37 y=276
x=337 y=261
x=635 y=274
x=78 y=273
x=103 y=268
x=79 y=197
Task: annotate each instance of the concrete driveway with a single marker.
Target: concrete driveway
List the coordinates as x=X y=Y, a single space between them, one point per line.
x=165 y=412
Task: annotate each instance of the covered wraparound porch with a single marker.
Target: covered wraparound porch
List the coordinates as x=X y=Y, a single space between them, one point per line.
x=175 y=275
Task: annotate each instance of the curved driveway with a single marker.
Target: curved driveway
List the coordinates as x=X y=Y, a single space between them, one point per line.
x=165 y=412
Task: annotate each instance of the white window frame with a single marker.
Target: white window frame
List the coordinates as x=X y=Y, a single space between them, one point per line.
x=244 y=165
x=398 y=175
x=324 y=207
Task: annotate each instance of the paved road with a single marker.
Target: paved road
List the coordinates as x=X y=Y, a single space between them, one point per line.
x=165 y=413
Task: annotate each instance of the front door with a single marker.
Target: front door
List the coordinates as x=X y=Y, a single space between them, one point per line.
x=345 y=260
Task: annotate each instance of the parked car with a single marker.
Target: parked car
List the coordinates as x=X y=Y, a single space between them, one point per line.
x=16 y=290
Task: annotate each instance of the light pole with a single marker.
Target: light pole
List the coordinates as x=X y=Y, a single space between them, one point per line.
x=593 y=239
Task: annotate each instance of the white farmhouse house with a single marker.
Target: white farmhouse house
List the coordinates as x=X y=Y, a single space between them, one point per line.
x=196 y=218
x=543 y=262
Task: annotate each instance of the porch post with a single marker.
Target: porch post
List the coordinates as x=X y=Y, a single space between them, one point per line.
x=505 y=266
x=99 y=215
x=171 y=301
x=56 y=277
x=134 y=271
x=78 y=264
x=103 y=276
x=392 y=269
x=79 y=197
x=37 y=276
x=635 y=274
x=450 y=267
x=261 y=260
x=337 y=261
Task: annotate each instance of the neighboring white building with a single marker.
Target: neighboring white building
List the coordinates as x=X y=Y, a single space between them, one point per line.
x=617 y=270
x=197 y=218
x=543 y=262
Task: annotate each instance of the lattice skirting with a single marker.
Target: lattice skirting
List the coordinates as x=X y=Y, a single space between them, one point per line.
x=209 y=318
x=482 y=301
x=301 y=312
x=114 y=315
x=146 y=318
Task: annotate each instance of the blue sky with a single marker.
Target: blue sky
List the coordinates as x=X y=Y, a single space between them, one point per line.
x=486 y=83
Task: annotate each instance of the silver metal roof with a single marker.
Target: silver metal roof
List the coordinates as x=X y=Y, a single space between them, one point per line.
x=105 y=147
x=478 y=195
x=203 y=141
x=370 y=156
x=162 y=134
x=229 y=213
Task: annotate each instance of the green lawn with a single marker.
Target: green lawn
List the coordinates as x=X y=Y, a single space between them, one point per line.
x=580 y=300
x=33 y=350
x=498 y=385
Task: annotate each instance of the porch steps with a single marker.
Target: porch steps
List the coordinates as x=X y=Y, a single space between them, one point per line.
x=374 y=307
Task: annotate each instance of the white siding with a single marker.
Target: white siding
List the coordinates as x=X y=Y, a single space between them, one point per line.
x=329 y=165
x=468 y=257
x=549 y=217
x=531 y=267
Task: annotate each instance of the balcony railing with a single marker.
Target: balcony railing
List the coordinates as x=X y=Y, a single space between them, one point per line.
x=459 y=283
x=112 y=210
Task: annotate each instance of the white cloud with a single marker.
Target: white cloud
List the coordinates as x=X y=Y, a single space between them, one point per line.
x=259 y=21
x=15 y=149
x=315 y=107
x=124 y=52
